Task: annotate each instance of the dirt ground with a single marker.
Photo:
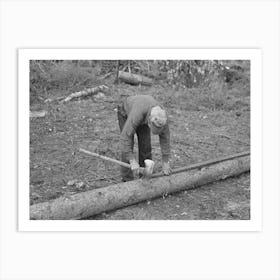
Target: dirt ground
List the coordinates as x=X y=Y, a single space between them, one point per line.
x=200 y=130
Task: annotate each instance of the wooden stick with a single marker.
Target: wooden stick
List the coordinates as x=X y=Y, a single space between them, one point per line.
x=205 y=163
x=121 y=163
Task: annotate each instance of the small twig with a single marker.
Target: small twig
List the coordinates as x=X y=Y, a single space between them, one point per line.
x=232 y=138
x=184 y=152
x=106 y=75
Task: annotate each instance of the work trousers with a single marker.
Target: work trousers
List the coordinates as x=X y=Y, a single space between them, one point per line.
x=144 y=144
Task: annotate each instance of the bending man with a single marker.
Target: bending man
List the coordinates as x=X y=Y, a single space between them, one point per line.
x=142 y=114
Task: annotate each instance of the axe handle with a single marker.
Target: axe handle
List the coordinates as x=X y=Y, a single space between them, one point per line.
x=121 y=163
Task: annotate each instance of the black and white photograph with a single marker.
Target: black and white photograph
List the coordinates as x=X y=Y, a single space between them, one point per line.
x=140 y=139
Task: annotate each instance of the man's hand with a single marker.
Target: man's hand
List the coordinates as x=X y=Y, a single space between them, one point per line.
x=134 y=166
x=166 y=168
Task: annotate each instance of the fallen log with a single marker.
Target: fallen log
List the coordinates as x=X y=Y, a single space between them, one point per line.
x=37 y=114
x=90 y=203
x=86 y=92
x=156 y=75
x=134 y=79
x=83 y=93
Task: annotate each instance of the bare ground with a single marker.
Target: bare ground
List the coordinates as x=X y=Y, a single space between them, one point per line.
x=202 y=128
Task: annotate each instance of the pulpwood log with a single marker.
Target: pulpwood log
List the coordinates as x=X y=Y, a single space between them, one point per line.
x=134 y=79
x=96 y=201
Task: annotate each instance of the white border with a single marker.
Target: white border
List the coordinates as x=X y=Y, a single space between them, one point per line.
x=254 y=224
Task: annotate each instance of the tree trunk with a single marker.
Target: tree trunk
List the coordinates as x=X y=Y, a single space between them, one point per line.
x=117 y=73
x=134 y=79
x=156 y=75
x=100 y=200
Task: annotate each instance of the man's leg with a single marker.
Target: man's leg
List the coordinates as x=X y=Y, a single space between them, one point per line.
x=144 y=144
x=126 y=173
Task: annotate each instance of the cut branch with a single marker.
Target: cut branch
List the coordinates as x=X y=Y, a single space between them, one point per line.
x=86 y=92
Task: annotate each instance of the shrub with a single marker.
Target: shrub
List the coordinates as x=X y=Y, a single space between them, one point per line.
x=47 y=76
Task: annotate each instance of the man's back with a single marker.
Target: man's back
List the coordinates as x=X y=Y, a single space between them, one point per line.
x=139 y=103
x=135 y=116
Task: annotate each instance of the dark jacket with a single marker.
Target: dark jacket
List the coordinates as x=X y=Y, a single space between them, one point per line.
x=137 y=109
